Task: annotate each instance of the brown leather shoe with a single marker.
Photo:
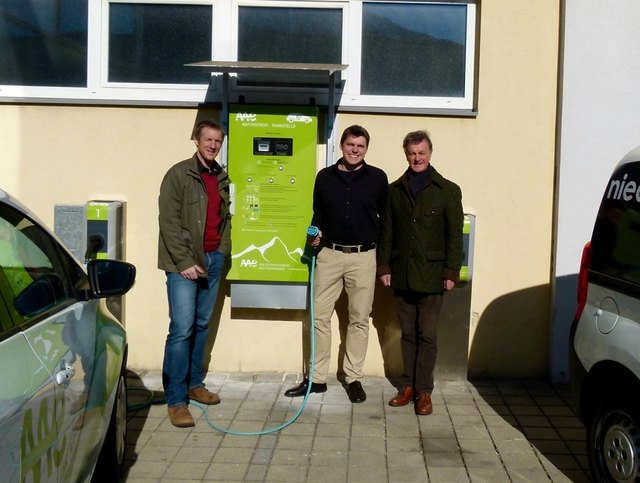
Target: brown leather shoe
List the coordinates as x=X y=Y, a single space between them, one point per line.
x=423 y=404
x=180 y=416
x=403 y=397
x=203 y=396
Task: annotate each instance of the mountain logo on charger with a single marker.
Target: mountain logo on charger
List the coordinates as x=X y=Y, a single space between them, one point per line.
x=295 y=117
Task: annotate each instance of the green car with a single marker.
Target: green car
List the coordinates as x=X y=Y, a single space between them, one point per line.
x=62 y=357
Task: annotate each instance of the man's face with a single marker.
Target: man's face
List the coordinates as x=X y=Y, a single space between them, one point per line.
x=353 y=150
x=418 y=156
x=209 y=144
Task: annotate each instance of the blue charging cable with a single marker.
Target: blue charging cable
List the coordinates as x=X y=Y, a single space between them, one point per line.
x=311 y=231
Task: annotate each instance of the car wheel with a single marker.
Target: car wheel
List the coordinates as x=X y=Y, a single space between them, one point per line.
x=111 y=457
x=613 y=442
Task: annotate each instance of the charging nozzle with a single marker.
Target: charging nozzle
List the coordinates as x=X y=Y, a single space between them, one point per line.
x=94 y=245
x=312 y=230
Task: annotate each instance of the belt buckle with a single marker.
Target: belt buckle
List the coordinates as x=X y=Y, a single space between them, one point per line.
x=342 y=248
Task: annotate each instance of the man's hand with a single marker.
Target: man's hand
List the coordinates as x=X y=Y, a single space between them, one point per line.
x=385 y=279
x=314 y=241
x=448 y=284
x=192 y=273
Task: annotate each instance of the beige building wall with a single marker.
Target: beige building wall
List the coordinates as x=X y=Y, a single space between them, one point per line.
x=503 y=159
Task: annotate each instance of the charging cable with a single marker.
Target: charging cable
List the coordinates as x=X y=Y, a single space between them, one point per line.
x=311 y=231
x=204 y=408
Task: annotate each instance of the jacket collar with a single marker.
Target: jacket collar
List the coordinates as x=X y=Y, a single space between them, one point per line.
x=197 y=167
x=341 y=161
x=435 y=177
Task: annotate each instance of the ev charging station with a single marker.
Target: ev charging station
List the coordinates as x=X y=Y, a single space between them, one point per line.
x=468 y=242
x=103 y=239
x=272 y=164
x=92 y=231
x=103 y=230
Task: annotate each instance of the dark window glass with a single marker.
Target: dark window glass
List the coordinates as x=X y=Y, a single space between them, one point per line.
x=6 y=322
x=413 y=49
x=43 y=43
x=616 y=235
x=300 y=35
x=150 y=43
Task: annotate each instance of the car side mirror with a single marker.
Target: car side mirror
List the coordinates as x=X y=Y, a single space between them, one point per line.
x=110 y=278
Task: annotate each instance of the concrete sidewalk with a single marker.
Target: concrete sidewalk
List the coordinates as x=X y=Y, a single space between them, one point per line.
x=483 y=430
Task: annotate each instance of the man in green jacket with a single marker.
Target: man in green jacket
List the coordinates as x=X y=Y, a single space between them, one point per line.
x=194 y=240
x=419 y=257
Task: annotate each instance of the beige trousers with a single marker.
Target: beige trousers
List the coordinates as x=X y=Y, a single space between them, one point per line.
x=356 y=274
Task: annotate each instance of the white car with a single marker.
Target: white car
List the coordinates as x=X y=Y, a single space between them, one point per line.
x=605 y=335
x=62 y=357
x=295 y=117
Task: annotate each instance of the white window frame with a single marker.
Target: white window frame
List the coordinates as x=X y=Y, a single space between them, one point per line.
x=224 y=47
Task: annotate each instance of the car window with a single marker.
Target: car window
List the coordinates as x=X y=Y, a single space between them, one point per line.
x=616 y=233
x=5 y=318
x=36 y=276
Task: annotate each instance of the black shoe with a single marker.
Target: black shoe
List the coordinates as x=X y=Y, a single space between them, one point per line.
x=301 y=389
x=356 y=393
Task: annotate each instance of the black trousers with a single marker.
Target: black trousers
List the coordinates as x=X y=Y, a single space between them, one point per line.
x=418 y=314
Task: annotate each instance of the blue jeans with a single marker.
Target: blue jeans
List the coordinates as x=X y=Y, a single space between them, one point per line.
x=191 y=303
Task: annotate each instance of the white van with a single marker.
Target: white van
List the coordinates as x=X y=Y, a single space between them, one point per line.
x=605 y=335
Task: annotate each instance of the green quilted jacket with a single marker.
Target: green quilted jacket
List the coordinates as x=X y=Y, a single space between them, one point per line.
x=421 y=240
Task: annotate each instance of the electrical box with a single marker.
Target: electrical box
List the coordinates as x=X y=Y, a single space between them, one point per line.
x=272 y=164
x=468 y=238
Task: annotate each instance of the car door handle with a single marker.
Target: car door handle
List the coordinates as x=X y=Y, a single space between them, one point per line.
x=65 y=374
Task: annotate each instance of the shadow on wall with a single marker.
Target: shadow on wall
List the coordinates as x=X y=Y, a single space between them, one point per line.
x=565 y=305
x=384 y=321
x=453 y=333
x=512 y=336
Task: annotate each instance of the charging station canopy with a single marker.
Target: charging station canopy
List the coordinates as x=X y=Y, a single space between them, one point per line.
x=237 y=67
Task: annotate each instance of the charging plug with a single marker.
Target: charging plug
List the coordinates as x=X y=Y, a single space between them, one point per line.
x=312 y=230
x=95 y=243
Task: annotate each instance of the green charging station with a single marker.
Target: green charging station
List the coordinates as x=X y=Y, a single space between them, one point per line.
x=272 y=165
x=103 y=237
x=468 y=241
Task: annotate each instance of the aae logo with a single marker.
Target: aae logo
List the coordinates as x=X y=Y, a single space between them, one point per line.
x=248 y=263
x=246 y=116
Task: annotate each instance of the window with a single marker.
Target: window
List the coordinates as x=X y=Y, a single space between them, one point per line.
x=43 y=43
x=35 y=276
x=275 y=34
x=152 y=42
x=402 y=55
x=413 y=50
x=616 y=233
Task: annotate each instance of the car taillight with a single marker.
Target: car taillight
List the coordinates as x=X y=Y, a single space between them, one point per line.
x=583 y=279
